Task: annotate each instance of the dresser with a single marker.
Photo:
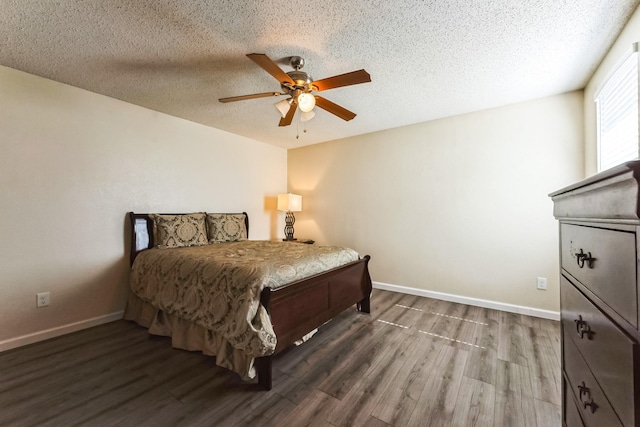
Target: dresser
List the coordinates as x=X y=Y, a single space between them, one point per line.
x=599 y=221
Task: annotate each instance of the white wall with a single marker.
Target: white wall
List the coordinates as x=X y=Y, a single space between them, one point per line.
x=629 y=35
x=72 y=164
x=457 y=205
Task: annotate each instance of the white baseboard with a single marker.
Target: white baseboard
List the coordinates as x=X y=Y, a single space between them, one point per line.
x=84 y=324
x=511 y=308
x=59 y=330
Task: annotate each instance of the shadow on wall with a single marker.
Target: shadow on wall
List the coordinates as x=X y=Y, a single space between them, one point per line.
x=87 y=300
x=108 y=286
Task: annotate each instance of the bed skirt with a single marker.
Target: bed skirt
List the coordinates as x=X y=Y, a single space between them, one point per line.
x=189 y=336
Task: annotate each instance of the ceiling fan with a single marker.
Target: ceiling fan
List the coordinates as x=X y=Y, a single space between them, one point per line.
x=299 y=86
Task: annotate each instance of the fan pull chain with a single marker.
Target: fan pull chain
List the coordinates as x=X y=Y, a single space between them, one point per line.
x=298 y=130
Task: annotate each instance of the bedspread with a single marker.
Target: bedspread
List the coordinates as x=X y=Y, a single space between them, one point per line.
x=218 y=286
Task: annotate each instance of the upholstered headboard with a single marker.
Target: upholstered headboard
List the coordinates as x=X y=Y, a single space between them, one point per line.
x=142 y=232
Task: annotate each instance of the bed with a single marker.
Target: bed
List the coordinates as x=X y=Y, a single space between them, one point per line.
x=240 y=300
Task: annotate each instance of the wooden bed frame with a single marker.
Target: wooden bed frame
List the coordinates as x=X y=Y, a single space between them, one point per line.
x=300 y=307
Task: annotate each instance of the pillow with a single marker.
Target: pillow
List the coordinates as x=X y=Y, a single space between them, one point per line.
x=226 y=227
x=142 y=234
x=175 y=231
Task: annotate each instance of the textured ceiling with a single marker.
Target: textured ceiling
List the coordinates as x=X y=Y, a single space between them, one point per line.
x=427 y=59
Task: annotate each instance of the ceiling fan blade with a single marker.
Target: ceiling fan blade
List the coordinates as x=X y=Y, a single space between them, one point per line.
x=253 y=96
x=334 y=108
x=348 y=79
x=286 y=120
x=270 y=67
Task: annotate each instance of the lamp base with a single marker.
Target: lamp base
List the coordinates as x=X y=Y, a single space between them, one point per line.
x=289 y=240
x=289 y=220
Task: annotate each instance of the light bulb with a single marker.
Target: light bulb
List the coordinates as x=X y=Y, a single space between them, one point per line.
x=306 y=102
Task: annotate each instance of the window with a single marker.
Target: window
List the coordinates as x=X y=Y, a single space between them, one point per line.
x=617 y=114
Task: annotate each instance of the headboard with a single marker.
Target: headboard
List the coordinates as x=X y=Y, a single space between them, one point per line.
x=142 y=232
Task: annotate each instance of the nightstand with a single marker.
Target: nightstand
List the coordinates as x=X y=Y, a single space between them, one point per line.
x=306 y=241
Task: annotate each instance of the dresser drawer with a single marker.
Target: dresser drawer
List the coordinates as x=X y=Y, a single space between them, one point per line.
x=592 y=403
x=571 y=413
x=606 y=349
x=611 y=274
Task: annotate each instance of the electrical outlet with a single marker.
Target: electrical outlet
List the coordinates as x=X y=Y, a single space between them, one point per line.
x=542 y=283
x=43 y=299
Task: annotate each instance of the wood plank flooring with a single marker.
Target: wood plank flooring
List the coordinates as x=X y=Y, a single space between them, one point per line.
x=413 y=362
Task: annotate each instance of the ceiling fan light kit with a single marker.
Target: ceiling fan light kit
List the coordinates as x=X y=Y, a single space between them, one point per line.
x=299 y=86
x=283 y=106
x=306 y=102
x=305 y=116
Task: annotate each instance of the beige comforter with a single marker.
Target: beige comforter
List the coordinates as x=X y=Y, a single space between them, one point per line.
x=218 y=286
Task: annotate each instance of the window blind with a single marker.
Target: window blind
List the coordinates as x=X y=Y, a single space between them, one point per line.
x=617 y=114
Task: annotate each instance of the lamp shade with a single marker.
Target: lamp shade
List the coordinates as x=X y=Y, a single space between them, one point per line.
x=283 y=106
x=289 y=202
x=306 y=116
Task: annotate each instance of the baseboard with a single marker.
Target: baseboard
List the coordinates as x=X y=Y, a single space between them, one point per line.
x=511 y=308
x=84 y=324
x=59 y=330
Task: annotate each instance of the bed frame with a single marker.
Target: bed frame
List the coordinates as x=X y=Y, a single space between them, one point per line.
x=298 y=308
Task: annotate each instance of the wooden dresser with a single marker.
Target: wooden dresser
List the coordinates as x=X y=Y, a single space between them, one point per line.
x=599 y=239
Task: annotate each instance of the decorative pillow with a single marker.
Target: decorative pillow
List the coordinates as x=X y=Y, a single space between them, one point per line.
x=226 y=227
x=174 y=231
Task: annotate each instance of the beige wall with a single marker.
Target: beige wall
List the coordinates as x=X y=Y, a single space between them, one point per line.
x=72 y=164
x=457 y=205
x=629 y=35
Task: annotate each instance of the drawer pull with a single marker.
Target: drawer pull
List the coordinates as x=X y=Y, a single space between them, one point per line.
x=581 y=258
x=584 y=390
x=591 y=404
x=588 y=402
x=582 y=328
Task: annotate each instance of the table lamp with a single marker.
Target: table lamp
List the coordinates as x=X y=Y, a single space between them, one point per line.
x=289 y=203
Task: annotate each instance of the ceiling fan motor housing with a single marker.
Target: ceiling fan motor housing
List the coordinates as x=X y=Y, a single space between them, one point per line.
x=301 y=79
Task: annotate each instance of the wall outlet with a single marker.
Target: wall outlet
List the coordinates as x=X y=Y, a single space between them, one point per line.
x=43 y=299
x=542 y=283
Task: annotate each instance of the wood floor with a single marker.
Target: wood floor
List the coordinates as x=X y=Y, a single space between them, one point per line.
x=413 y=362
